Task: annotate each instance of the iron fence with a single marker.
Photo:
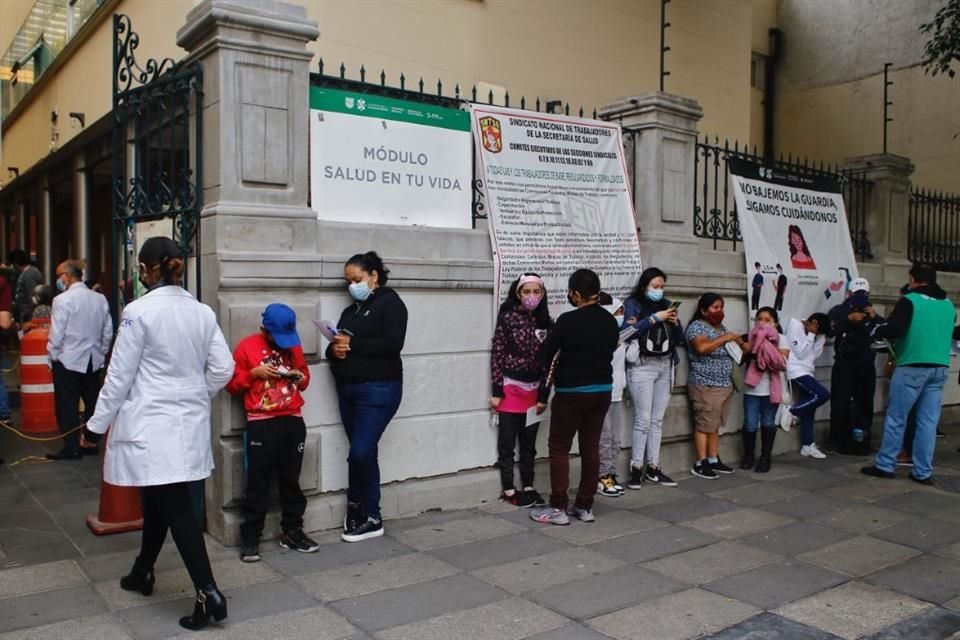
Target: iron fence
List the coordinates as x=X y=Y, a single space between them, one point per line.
x=933 y=229
x=715 y=210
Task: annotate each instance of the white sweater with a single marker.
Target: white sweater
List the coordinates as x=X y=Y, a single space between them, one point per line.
x=805 y=348
x=619 y=373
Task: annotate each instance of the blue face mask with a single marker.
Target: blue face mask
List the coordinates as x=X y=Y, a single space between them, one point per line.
x=619 y=320
x=859 y=301
x=61 y=286
x=654 y=295
x=359 y=291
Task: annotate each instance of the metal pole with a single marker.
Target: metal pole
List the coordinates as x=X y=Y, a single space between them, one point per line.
x=663 y=42
x=886 y=102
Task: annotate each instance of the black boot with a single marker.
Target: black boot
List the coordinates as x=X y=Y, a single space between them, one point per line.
x=210 y=603
x=767 y=436
x=749 y=448
x=138 y=579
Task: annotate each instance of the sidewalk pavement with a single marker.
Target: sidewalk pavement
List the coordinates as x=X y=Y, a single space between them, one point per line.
x=811 y=551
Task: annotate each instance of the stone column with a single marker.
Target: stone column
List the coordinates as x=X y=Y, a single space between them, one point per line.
x=255 y=220
x=663 y=144
x=22 y=224
x=887 y=204
x=46 y=246
x=81 y=207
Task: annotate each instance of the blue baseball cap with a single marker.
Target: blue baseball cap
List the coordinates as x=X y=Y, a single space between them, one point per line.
x=280 y=321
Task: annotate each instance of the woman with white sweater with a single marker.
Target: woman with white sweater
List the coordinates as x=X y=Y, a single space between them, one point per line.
x=806 y=339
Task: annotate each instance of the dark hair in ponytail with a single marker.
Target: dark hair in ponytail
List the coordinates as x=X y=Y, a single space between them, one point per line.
x=370 y=262
x=161 y=253
x=585 y=282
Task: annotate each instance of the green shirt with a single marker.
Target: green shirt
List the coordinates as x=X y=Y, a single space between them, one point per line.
x=931 y=329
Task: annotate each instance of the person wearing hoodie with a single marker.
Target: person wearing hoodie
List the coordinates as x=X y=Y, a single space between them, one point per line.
x=610 y=444
x=921 y=327
x=365 y=362
x=763 y=393
x=519 y=383
x=806 y=339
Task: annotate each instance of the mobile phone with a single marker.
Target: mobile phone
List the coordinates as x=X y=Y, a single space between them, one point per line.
x=290 y=377
x=675 y=305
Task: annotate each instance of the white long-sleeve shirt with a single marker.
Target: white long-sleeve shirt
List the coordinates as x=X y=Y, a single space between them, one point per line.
x=80 y=330
x=805 y=348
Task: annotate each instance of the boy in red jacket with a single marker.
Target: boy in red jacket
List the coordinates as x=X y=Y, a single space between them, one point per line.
x=270 y=374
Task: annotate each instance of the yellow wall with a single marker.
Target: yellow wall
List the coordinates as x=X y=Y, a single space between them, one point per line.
x=587 y=53
x=843 y=120
x=12 y=15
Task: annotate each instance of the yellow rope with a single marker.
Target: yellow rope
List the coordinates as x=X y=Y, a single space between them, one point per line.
x=9 y=427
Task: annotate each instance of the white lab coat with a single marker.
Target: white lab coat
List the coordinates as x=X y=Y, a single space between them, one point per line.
x=170 y=358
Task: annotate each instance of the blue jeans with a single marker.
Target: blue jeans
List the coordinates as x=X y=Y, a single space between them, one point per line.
x=758 y=411
x=366 y=409
x=4 y=396
x=919 y=388
x=811 y=395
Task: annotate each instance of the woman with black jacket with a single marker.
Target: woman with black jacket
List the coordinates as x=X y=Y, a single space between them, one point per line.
x=365 y=361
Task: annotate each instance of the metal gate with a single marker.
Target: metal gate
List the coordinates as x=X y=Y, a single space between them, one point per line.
x=157 y=158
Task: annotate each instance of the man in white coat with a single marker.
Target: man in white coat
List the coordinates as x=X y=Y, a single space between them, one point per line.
x=80 y=334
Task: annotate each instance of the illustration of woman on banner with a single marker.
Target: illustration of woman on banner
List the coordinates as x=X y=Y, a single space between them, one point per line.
x=799 y=252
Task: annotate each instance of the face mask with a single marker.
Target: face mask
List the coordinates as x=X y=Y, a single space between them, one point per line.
x=570 y=300
x=531 y=302
x=35 y=300
x=859 y=301
x=714 y=317
x=654 y=295
x=61 y=286
x=619 y=320
x=359 y=291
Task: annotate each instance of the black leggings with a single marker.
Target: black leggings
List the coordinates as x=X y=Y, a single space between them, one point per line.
x=513 y=429
x=169 y=506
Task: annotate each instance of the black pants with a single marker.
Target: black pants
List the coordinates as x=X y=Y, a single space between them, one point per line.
x=170 y=506
x=512 y=428
x=68 y=388
x=274 y=449
x=852 y=386
x=755 y=299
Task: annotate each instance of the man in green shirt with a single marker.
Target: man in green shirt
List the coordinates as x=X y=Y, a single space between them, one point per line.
x=921 y=328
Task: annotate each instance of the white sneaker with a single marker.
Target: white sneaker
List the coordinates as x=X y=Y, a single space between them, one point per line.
x=583 y=515
x=811 y=451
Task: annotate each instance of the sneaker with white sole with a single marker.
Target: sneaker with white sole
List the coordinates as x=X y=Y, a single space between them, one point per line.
x=636 y=478
x=297 y=540
x=811 y=451
x=371 y=528
x=550 y=515
x=617 y=485
x=657 y=476
x=583 y=515
x=719 y=467
x=606 y=487
x=703 y=470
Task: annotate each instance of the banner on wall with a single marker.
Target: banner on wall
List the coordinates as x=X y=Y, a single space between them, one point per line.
x=557 y=199
x=388 y=161
x=796 y=240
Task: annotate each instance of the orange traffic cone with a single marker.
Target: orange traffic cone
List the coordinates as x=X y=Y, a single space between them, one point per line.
x=121 y=508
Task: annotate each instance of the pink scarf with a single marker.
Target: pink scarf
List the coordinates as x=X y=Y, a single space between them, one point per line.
x=766 y=358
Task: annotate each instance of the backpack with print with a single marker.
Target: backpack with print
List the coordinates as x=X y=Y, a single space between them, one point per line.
x=656 y=341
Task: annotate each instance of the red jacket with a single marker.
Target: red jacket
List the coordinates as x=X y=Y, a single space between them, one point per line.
x=268 y=397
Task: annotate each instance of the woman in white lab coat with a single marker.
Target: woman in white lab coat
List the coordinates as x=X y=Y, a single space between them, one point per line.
x=170 y=358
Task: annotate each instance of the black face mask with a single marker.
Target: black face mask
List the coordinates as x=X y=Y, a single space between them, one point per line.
x=570 y=300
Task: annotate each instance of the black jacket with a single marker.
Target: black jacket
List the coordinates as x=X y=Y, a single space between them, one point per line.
x=379 y=328
x=853 y=341
x=586 y=339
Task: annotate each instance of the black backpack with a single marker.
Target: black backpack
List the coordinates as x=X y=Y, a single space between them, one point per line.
x=656 y=342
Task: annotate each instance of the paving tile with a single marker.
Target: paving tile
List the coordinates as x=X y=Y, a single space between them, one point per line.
x=101 y=627
x=756 y=494
x=862 y=518
x=315 y=623
x=175 y=584
x=521 y=518
x=333 y=553
x=487 y=553
x=607 y=527
x=436 y=517
x=34 y=610
x=41 y=552
x=41 y=577
x=397 y=607
x=158 y=621
x=868 y=490
x=933 y=624
x=362 y=578
x=796 y=538
x=778 y=471
x=461 y=531
x=28 y=535
x=814 y=481
x=738 y=523
x=809 y=505
x=926 y=577
x=710 y=563
x=853 y=610
x=692 y=484
x=30 y=517
x=769 y=626
x=648 y=496
x=691 y=508
x=920 y=533
x=54 y=500
x=589 y=597
x=860 y=556
x=542 y=572
x=922 y=503
x=512 y=619
x=824 y=464
x=953 y=604
x=112 y=566
x=772 y=585
x=655 y=543
x=569 y=632
x=679 y=616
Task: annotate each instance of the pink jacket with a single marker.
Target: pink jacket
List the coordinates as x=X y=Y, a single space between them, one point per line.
x=765 y=341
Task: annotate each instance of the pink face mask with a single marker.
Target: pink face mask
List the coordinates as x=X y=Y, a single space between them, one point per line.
x=531 y=302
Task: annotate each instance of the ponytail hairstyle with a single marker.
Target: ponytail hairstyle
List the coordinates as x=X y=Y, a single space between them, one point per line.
x=705 y=302
x=370 y=262
x=586 y=283
x=541 y=314
x=161 y=257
